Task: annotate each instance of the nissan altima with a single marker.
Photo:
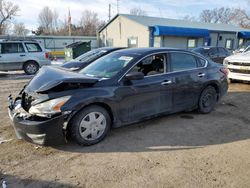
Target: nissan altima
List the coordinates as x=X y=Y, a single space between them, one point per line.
x=121 y=88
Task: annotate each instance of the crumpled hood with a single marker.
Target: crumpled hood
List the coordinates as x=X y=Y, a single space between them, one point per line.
x=241 y=57
x=49 y=77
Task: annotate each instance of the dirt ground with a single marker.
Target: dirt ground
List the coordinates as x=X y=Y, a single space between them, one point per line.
x=180 y=150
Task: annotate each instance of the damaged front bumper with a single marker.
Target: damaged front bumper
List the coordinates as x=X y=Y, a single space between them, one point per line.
x=42 y=131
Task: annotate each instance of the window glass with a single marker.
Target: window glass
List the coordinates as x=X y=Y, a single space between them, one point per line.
x=151 y=65
x=108 y=66
x=33 y=47
x=223 y=51
x=182 y=61
x=133 y=42
x=191 y=43
x=229 y=44
x=201 y=62
x=12 y=48
x=91 y=55
x=213 y=51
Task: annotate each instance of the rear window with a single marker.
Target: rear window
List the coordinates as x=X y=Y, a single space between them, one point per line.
x=33 y=47
x=182 y=61
x=12 y=48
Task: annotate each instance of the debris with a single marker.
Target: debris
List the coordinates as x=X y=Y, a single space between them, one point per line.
x=4 y=141
x=38 y=147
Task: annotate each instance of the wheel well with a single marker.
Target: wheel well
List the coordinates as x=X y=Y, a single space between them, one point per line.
x=216 y=87
x=103 y=105
x=29 y=61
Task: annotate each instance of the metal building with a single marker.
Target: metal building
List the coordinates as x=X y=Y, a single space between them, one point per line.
x=142 y=31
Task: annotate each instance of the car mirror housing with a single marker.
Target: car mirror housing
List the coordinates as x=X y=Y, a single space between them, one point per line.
x=135 y=76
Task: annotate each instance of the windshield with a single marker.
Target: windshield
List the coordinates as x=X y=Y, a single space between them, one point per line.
x=91 y=55
x=108 y=66
x=247 y=49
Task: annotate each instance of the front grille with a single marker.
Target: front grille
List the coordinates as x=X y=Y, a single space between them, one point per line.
x=26 y=101
x=239 y=63
x=242 y=71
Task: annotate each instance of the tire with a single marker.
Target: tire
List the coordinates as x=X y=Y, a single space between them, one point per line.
x=30 y=67
x=85 y=128
x=207 y=100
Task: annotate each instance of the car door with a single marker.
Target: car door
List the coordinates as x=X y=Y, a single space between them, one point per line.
x=13 y=55
x=223 y=54
x=188 y=76
x=213 y=54
x=147 y=97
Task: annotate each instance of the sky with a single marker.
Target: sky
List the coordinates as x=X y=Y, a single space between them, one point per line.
x=29 y=9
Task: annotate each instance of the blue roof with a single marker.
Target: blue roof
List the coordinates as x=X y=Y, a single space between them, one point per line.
x=180 y=31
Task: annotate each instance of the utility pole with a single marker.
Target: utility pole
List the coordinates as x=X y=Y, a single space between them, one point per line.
x=109 y=11
x=118 y=6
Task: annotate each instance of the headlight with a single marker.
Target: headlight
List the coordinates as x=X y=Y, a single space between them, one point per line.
x=49 y=108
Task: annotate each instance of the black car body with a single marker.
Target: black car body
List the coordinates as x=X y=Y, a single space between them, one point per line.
x=217 y=54
x=121 y=88
x=88 y=57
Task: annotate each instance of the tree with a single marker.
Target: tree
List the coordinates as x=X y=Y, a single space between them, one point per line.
x=89 y=23
x=138 y=12
x=48 y=20
x=7 y=12
x=20 y=29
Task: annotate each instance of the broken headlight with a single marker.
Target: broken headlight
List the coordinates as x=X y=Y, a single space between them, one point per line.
x=49 y=108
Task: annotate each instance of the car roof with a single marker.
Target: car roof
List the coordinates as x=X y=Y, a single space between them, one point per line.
x=143 y=51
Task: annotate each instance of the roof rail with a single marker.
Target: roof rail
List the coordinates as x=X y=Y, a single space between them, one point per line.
x=17 y=38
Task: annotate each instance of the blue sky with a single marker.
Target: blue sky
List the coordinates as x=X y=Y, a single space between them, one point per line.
x=159 y=8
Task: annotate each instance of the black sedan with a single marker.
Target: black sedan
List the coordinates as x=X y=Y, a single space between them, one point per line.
x=124 y=87
x=88 y=57
x=217 y=54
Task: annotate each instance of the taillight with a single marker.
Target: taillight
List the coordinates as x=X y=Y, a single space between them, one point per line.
x=224 y=71
x=47 y=55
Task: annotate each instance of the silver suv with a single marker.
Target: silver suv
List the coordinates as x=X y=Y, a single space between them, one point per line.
x=22 y=55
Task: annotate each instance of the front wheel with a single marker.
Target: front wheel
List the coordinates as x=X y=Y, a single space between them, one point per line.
x=207 y=100
x=90 y=125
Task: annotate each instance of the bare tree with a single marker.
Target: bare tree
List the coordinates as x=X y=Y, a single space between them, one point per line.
x=20 y=29
x=138 y=12
x=89 y=23
x=7 y=12
x=48 y=20
x=226 y=15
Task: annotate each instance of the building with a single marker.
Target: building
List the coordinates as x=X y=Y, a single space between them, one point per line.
x=142 y=31
x=56 y=44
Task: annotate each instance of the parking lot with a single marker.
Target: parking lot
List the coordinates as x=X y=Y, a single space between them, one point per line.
x=180 y=150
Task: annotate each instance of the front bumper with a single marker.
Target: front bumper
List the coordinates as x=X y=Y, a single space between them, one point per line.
x=35 y=130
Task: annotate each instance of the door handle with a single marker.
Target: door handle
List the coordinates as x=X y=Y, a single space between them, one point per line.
x=166 y=82
x=22 y=55
x=201 y=75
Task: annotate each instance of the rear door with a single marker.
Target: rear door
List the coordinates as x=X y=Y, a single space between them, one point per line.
x=189 y=74
x=13 y=56
x=213 y=54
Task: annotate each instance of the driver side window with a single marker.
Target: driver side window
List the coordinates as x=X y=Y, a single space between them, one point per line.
x=152 y=65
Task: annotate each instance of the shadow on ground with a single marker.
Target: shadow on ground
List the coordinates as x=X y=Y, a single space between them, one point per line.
x=229 y=122
x=13 y=181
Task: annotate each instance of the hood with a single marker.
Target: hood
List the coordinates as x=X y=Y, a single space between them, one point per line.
x=49 y=78
x=242 y=57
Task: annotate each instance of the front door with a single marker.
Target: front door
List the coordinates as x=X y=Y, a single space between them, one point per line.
x=147 y=97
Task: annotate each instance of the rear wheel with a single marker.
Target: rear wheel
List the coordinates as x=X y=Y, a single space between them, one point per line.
x=30 y=67
x=90 y=125
x=207 y=100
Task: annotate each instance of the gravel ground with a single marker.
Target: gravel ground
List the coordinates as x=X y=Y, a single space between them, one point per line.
x=180 y=150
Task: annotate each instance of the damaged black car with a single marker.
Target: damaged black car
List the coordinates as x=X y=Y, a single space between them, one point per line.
x=124 y=87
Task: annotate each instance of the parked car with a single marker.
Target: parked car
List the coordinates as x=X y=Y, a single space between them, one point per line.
x=88 y=57
x=238 y=66
x=217 y=54
x=22 y=55
x=123 y=87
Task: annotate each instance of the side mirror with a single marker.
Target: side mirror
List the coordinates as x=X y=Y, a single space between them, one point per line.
x=135 y=76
